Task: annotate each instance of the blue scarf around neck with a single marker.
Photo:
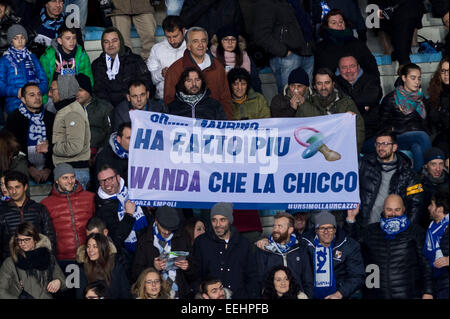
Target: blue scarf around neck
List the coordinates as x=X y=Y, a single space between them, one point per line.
x=432 y=248
x=16 y=57
x=324 y=280
x=36 y=126
x=394 y=225
x=119 y=150
x=276 y=247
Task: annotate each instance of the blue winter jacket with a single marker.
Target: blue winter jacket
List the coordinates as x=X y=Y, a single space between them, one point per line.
x=12 y=79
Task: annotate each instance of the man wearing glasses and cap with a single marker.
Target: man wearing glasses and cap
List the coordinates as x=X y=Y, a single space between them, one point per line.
x=337 y=261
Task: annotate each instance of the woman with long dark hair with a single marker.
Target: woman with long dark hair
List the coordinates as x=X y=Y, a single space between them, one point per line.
x=438 y=91
x=31 y=272
x=404 y=111
x=280 y=284
x=99 y=264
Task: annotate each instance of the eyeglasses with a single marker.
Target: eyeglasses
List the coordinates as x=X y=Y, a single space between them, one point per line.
x=106 y=180
x=326 y=229
x=229 y=40
x=153 y=282
x=383 y=144
x=23 y=240
x=444 y=71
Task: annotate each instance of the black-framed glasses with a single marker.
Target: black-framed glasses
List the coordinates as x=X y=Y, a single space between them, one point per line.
x=106 y=180
x=326 y=229
x=153 y=282
x=23 y=240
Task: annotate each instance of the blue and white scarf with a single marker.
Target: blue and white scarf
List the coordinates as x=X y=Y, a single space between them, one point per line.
x=49 y=26
x=432 y=248
x=394 y=225
x=16 y=57
x=325 y=9
x=117 y=148
x=37 y=133
x=164 y=245
x=324 y=280
x=276 y=247
x=140 y=219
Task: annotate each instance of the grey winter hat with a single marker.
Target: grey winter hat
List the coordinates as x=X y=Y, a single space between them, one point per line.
x=67 y=86
x=168 y=218
x=62 y=169
x=324 y=218
x=14 y=30
x=224 y=209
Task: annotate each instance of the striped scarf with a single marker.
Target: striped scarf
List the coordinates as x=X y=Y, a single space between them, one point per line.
x=37 y=133
x=432 y=248
x=324 y=280
x=164 y=246
x=16 y=57
x=409 y=102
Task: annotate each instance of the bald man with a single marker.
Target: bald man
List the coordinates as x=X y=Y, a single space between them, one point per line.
x=394 y=245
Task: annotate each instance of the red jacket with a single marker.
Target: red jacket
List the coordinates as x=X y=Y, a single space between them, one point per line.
x=215 y=77
x=69 y=214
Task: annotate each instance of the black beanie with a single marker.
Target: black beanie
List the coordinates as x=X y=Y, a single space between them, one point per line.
x=298 y=76
x=84 y=82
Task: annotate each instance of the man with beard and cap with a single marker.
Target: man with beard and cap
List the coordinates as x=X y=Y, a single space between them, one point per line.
x=336 y=258
x=65 y=56
x=100 y=115
x=116 y=67
x=222 y=252
x=115 y=153
x=434 y=176
x=395 y=245
x=192 y=98
x=387 y=171
x=283 y=248
x=70 y=207
x=71 y=133
x=158 y=248
x=164 y=53
x=327 y=99
x=32 y=126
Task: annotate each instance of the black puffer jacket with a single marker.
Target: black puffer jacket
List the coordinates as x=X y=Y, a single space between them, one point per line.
x=131 y=67
x=146 y=253
x=276 y=29
x=10 y=218
x=404 y=271
x=348 y=264
x=392 y=117
x=365 y=92
x=403 y=178
x=232 y=262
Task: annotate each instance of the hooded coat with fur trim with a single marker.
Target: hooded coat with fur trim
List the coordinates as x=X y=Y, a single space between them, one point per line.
x=10 y=284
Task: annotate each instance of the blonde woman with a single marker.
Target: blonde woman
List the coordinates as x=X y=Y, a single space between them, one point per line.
x=151 y=285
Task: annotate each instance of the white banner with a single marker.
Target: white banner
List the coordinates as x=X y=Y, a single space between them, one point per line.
x=278 y=163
